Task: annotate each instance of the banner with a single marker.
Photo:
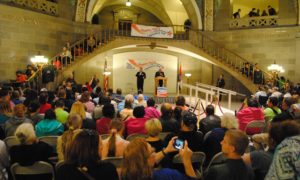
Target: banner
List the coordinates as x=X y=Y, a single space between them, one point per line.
x=151 y=31
x=162 y=92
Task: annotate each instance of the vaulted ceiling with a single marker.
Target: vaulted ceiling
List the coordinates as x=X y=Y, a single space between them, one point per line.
x=173 y=12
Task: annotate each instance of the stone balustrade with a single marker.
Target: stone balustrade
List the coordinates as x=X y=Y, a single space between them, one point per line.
x=44 y=6
x=254 y=22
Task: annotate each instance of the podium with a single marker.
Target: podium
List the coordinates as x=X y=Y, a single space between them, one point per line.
x=160 y=91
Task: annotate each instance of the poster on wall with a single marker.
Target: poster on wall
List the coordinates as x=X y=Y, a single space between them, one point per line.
x=151 y=31
x=126 y=65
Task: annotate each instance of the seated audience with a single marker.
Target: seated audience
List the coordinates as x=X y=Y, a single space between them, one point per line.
x=150 y=110
x=285 y=164
x=68 y=102
x=49 y=126
x=30 y=149
x=86 y=100
x=212 y=142
x=87 y=121
x=141 y=101
x=169 y=124
x=102 y=124
x=287 y=112
x=83 y=161
x=74 y=124
x=61 y=114
x=114 y=145
x=234 y=145
x=127 y=112
x=33 y=112
x=18 y=118
x=4 y=160
x=250 y=112
x=44 y=105
x=180 y=102
x=153 y=127
x=261 y=160
x=139 y=161
x=15 y=97
x=136 y=124
x=97 y=113
x=272 y=110
x=5 y=111
x=128 y=97
x=211 y=120
x=118 y=97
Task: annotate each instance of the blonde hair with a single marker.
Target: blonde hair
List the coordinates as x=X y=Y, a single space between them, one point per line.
x=135 y=163
x=25 y=133
x=229 y=121
x=19 y=110
x=153 y=127
x=129 y=97
x=78 y=108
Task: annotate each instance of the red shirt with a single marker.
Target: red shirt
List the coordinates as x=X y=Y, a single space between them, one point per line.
x=247 y=115
x=102 y=125
x=21 y=78
x=44 y=108
x=135 y=125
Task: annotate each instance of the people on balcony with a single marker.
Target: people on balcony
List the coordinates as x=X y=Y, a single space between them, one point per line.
x=252 y=13
x=237 y=15
x=65 y=56
x=272 y=11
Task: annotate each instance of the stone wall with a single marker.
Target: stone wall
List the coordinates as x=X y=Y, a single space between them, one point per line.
x=24 y=33
x=264 y=46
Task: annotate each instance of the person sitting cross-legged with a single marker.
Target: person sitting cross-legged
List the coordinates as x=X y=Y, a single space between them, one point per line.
x=234 y=145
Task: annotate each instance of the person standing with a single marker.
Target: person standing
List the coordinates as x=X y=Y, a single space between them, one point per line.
x=237 y=15
x=221 y=84
x=160 y=73
x=141 y=75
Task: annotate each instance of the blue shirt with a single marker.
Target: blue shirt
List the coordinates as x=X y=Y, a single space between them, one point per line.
x=169 y=174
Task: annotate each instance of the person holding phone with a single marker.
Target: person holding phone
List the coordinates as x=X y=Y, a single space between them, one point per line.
x=140 y=158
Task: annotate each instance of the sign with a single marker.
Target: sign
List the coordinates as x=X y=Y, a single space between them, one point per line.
x=151 y=31
x=162 y=92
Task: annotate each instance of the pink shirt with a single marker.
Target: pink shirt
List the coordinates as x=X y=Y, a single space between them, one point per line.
x=247 y=115
x=151 y=112
x=135 y=125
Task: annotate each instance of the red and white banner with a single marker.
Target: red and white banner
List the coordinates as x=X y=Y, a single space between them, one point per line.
x=151 y=31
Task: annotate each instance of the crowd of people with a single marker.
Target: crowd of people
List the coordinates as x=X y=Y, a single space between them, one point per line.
x=81 y=115
x=256 y=12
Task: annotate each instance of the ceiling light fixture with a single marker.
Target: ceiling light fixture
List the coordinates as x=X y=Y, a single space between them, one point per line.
x=128 y=3
x=275 y=68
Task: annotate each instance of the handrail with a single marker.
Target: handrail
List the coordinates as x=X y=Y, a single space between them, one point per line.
x=216 y=88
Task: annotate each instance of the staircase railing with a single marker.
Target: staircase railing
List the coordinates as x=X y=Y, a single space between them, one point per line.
x=196 y=37
x=226 y=56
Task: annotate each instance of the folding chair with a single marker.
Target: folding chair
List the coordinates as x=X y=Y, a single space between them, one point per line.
x=163 y=135
x=51 y=140
x=104 y=136
x=134 y=136
x=117 y=161
x=11 y=141
x=256 y=124
x=217 y=159
x=197 y=157
x=38 y=168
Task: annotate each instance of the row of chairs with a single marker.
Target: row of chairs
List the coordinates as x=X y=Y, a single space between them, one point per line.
x=41 y=167
x=131 y=137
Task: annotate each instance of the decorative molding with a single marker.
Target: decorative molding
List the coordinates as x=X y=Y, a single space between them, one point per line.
x=253 y=22
x=20 y=19
x=81 y=10
x=39 y=5
x=209 y=15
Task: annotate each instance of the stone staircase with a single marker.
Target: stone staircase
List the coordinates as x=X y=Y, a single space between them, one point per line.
x=194 y=41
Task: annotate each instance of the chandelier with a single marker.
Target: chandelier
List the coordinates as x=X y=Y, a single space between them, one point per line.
x=39 y=60
x=275 y=68
x=128 y=3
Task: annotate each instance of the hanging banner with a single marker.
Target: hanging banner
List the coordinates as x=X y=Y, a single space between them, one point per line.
x=151 y=31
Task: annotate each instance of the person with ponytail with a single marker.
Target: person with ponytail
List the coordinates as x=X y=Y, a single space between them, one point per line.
x=74 y=123
x=115 y=144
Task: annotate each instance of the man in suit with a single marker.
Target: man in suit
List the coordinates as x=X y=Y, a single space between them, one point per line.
x=221 y=84
x=141 y=75
x=160 y=73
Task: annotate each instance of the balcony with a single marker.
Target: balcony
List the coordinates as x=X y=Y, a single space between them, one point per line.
x=254 y=22
x=42 y=6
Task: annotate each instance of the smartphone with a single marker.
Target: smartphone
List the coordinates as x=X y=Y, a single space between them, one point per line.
x=178 y=144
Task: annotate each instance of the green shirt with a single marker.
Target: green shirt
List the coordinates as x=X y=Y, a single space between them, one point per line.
x=270 y=114
x=61 y=115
